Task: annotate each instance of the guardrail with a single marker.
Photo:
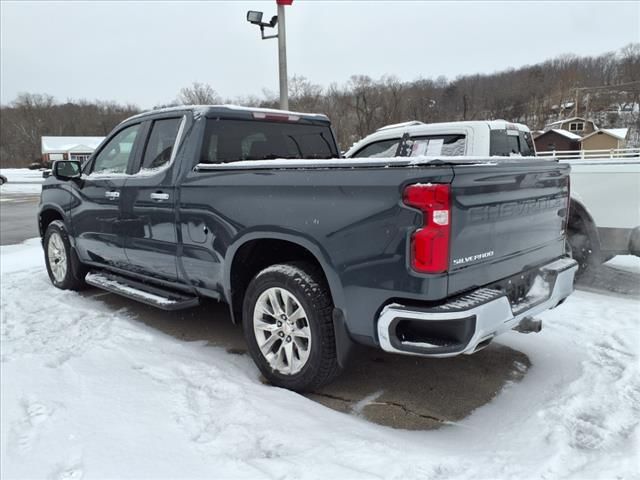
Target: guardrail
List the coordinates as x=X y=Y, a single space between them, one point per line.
x=592 y=154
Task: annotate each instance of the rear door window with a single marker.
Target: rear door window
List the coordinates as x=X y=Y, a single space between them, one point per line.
x=381 y=149
x=161 y=143
x=436 y=145
x=505 y=143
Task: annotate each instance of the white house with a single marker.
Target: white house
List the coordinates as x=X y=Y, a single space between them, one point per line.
x=68 y=148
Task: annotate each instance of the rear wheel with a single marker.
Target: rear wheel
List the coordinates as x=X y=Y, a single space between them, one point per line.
x=63 y=267
x=288 y=326
x=581 y=245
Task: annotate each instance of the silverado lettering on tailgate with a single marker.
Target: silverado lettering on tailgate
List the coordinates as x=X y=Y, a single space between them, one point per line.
x=472 y=258
x=484 y=213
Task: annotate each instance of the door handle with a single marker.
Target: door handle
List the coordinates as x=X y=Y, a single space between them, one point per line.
x=159 y=196
x=113 y=195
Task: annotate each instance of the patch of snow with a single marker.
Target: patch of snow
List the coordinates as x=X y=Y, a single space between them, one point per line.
x=620 y=133
x=380 y=162
x=25 y=188
x=410 y=123
x=108 y=173
x=629 y=263
x=67 y=144
x=89 y=390
x=27 y=255
x=566 y=133
x=22 y=180
x=22 y=175
x=201 y=110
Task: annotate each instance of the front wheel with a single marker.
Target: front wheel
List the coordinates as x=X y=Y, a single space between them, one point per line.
x=63 y=267
x=288 y=326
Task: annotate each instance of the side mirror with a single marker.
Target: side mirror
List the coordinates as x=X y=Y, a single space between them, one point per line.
x=67 y=169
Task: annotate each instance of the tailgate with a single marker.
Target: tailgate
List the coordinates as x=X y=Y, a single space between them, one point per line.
x=506 y=218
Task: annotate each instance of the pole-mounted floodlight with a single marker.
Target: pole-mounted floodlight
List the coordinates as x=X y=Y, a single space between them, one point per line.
x=255 y=18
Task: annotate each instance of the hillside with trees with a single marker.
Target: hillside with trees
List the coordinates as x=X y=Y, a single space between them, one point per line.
x=605 y=88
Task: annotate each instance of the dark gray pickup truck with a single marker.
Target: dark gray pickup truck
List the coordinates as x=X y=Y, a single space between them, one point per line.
x=313 y=253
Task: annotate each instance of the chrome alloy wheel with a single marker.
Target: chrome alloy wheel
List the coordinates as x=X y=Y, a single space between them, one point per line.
x=57 y=256
x=282 y=331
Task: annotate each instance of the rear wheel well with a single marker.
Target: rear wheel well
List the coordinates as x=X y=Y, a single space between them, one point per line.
x=46 y=217
x=256 y=255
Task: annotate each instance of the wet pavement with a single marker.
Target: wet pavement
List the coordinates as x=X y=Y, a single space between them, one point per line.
x=18 y=217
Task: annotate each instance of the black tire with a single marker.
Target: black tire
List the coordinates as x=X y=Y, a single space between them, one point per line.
x=581 y=248
x=306 y=283
x=73 y=278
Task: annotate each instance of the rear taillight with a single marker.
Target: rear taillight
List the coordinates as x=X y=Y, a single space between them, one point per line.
x=430 y=244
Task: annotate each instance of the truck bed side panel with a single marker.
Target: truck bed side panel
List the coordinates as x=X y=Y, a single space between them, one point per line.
x=354 y=217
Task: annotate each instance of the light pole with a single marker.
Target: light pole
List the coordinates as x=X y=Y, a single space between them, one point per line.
x=256 y=19
x=282 y=58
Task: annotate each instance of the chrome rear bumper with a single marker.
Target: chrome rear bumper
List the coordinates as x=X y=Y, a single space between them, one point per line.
x=469 y=322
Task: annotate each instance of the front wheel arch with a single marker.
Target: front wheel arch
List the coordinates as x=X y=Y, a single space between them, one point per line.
x=47 y=215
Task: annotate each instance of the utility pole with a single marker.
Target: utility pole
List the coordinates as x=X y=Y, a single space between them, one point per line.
x=255 y=18
x=282 y=58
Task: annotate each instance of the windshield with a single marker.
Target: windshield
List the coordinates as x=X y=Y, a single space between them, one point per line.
x=236 y=140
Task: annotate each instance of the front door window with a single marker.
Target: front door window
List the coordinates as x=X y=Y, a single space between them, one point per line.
x=116 y=154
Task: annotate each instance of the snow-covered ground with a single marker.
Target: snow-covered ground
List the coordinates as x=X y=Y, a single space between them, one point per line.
x=88 y=391
x=21 y=180
x=628 y=263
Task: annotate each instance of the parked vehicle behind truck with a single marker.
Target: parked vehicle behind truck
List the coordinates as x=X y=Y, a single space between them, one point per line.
x=313 y=253
x=605 y=204
x=605 y=186
x=472 y=139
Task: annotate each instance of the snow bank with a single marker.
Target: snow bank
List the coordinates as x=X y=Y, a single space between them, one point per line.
x=22 y=175
x=21 y=188
x=628 y=263
x=22 y=180
x=90 y=391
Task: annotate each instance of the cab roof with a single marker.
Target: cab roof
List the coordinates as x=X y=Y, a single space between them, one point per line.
x=232 y=111
x=416 y=126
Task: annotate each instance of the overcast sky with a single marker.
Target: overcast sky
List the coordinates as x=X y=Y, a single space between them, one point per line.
x=144 y=52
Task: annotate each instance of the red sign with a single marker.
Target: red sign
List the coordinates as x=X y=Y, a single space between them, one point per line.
x=284 y=2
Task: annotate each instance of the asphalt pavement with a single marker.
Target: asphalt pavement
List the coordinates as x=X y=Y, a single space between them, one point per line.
x=394 y=390
x=18 y=217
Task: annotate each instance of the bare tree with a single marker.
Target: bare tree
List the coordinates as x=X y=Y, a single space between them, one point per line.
x=535 y=95
x=198 y=94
